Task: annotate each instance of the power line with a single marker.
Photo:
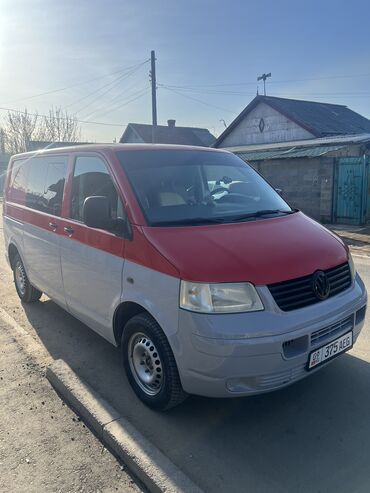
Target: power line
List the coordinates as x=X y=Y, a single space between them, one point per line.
x=112 y=84
x=64 y=118
x=272 y=82
x=77 y=83
x=196 y=99
x=242 y=93
x=137 y=95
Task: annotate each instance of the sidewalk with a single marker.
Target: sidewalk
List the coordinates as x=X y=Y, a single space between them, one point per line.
x=44 y=447
x=356 y=237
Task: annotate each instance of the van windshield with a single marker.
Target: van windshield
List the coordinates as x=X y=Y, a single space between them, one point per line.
x=177 y=187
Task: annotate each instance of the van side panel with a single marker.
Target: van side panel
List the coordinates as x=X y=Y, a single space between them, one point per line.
x=41 y=250
x=158 y=293
x=92 y=280
x=13 y=215
x=13 y=232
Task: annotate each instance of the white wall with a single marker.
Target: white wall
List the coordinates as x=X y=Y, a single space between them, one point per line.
x=278 y=128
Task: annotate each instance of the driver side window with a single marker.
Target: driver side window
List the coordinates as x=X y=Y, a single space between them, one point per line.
x=91 y=178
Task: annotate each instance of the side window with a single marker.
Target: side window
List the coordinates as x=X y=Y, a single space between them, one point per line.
x=91 y=178
x=18 y=183
x=45 y=186
x=54 y=186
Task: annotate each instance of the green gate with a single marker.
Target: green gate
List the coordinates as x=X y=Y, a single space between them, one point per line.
x=351 y=190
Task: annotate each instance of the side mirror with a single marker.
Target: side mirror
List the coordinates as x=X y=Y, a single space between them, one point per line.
x=95 y=212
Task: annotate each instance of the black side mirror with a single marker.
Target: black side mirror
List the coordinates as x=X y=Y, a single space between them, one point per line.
x=95 y=212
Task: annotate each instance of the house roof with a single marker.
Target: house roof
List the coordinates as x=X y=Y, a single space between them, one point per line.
x=292 y=152
x=303 y=148
x=171 y=134
x=320 y=119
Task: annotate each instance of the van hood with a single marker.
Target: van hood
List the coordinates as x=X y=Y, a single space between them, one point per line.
x=264 y=251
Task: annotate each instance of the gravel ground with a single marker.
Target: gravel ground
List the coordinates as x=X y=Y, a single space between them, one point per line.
x=44 y=447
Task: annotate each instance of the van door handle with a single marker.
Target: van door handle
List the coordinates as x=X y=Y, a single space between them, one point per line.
x=69 y=230
x=53 y=226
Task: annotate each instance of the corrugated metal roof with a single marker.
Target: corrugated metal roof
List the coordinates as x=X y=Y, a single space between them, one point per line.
x=334 y=140
x=292 y=152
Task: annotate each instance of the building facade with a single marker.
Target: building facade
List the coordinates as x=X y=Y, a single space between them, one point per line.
x=317 y=153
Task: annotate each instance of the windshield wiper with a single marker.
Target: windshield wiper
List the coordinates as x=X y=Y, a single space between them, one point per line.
x=189 y=221
x=261 y=213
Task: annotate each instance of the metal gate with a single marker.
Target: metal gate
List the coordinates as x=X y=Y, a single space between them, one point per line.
x=350 y=198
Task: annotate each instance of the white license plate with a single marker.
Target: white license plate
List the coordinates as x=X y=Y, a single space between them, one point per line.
x=330 y=350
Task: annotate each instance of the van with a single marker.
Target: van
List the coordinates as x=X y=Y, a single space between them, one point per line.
x=188 y=260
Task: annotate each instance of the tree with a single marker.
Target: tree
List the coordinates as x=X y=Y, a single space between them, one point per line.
x=21 y=127
x=59 y=126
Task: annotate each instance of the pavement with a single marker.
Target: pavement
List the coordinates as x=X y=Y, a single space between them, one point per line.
x=310 y=437
x=356 y=237
x=43 y=445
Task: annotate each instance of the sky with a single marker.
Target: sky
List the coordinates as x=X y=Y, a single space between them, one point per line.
x=91 y=57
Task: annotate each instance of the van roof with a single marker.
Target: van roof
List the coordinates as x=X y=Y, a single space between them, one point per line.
x=120 y=147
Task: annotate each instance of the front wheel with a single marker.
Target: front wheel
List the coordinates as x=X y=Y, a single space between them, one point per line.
x=150 y=365
x=25 y=290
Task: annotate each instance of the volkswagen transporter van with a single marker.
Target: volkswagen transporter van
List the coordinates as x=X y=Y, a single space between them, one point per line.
x=188 y=260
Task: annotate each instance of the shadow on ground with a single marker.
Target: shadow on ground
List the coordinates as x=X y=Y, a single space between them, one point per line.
x=312 y=436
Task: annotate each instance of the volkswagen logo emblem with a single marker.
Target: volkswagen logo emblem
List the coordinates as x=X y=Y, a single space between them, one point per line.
x=320 y=285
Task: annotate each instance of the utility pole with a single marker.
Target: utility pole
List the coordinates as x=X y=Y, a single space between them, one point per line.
x=154 y=95
x=263 y=77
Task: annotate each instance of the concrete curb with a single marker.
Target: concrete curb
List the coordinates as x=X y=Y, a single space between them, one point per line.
x=144 y=459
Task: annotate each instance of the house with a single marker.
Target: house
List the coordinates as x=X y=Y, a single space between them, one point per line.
x=170 y=134
x=317 y=153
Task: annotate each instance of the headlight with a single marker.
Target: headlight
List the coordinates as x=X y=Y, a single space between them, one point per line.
x=219 y=298
x=352 y=266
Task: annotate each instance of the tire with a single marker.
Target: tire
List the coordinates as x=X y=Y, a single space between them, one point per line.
x=150 y=365
x=25 y=290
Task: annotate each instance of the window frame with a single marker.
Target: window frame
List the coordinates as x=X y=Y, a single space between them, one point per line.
x=9 y=190
x=66 y=213
x=28 y=161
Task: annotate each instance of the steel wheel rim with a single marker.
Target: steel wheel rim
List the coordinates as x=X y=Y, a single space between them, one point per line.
x=20 y=278
x=145 y=364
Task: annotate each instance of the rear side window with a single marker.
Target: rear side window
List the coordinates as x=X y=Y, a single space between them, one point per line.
x=18 y=182
x=91 y=178
x=45 y=186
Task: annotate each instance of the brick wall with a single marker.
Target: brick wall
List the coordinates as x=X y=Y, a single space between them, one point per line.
x=307 y=183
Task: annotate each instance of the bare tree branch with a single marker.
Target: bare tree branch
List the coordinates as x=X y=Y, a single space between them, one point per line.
x=21 y=127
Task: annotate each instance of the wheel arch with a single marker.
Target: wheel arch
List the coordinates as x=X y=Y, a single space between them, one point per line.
x=12 y=252
x=123 y=313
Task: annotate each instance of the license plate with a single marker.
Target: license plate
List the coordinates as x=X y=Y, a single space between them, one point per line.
x=330 y=350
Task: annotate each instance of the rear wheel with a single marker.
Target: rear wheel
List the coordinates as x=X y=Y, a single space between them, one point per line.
x=25 y=290
x=150 y=365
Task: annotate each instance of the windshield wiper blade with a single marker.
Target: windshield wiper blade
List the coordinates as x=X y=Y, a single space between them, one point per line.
x=263 y=212
x=189 y=221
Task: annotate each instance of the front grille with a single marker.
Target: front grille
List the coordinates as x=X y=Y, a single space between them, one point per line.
x=319 y=336
x=297 y=293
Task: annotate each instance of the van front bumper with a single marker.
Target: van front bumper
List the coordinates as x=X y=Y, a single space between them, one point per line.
x=228 y=355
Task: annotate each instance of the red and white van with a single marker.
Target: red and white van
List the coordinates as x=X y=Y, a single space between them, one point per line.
x=186 y=258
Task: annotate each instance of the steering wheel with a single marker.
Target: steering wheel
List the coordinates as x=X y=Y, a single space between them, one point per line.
x=235 y=198
x=217 y=190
